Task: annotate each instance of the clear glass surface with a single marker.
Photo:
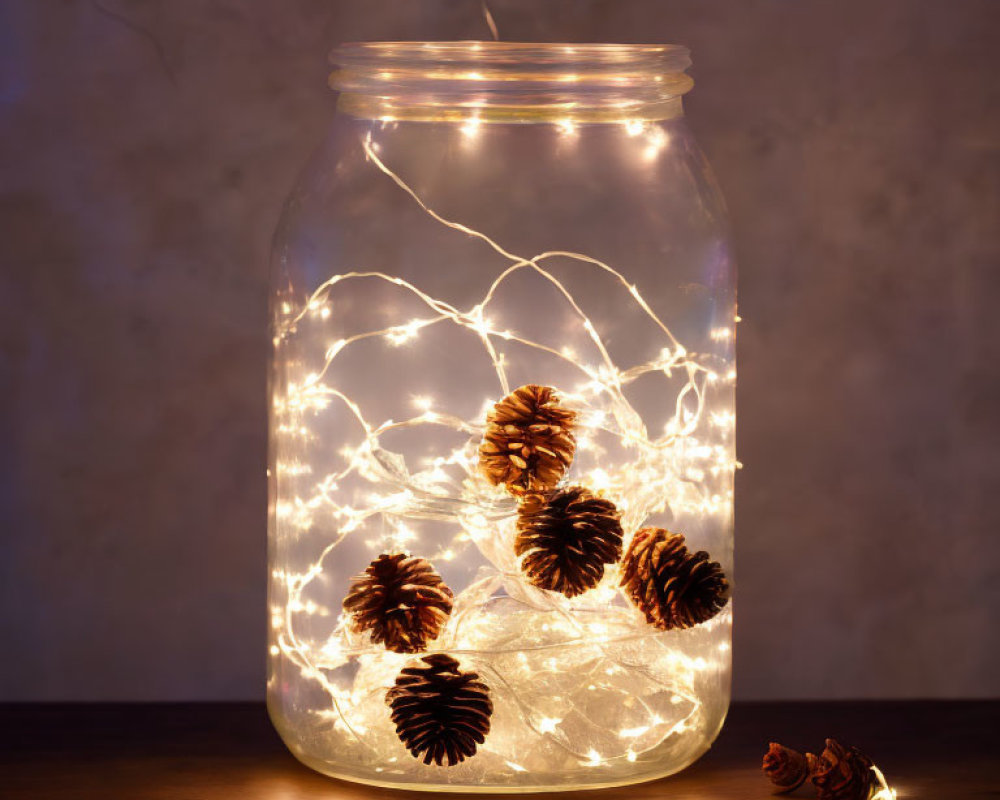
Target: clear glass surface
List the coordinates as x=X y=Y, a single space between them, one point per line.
x=456 y=237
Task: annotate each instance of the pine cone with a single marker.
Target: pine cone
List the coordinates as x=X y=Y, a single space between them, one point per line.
x=673 y=587
x=439 y=711
x=843 y=774
x=529 y=443
x=787 y=769
x=567 y=538
x=401 y=600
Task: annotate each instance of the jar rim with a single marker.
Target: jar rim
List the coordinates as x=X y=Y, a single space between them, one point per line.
x=674 y=57
x=502 y=77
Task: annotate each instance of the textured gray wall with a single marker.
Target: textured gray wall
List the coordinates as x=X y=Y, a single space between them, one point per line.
x=146 y=148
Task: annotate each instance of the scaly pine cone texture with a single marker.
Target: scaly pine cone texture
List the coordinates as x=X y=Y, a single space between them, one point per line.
x=440 y=712
x=672 y=586
x=529 y=442
x=401 y=600
x=842 y=774
x=787 y=769
x=567 y=538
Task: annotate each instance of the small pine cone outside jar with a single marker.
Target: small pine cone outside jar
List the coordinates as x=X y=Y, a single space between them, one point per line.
x=672 y=586
x=566 y=539
x=787 y=769
x=401 y=599
x=842 y=774
x=441 y=713
x=529 y=442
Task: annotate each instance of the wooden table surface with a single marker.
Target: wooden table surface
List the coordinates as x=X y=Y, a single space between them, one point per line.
x=207 y=751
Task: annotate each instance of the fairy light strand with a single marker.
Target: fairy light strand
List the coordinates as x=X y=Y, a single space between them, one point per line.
x=882 y=790
x=671 y=464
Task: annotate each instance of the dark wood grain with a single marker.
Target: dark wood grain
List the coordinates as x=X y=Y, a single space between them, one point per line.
x=933 y=750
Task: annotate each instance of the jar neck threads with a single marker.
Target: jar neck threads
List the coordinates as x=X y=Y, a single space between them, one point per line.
x=510 y=82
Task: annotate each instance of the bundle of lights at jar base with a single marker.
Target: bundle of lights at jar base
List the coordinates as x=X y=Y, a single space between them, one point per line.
x=501 y=466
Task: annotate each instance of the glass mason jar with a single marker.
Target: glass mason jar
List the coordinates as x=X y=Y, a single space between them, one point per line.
x=501 y=432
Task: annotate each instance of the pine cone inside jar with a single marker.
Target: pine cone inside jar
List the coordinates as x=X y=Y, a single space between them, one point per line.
x=566 y=539
x=672 y=586
x=440 y=712
x=787 y=769
x=401 y=599
x=529 y=442
x=842 y=774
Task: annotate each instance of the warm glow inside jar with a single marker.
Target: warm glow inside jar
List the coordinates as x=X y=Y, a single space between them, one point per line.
x=501 y=462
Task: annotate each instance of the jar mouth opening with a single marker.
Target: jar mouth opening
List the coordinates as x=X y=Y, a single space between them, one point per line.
x=491 y=76
x=662 y=57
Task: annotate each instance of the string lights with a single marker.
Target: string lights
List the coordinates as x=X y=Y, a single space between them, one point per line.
x=580 y=681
